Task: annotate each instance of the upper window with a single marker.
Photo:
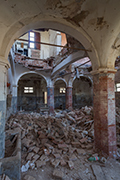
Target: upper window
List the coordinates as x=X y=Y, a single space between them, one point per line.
x=28 y=89
x=62 y=90
x=32 y=38
x=118 y=87
x=35 y=38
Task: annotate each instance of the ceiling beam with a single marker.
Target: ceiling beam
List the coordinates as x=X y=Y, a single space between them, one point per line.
x=48 y=44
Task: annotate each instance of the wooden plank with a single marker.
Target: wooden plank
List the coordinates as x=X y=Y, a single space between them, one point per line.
x=97 y=171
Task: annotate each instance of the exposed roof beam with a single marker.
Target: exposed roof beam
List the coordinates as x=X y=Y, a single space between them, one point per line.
x=67 y=61
x=48 y=44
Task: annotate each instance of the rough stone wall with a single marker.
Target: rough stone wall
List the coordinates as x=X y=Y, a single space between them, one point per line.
x=31 y=101
x=60 y=102
x=59 y=98
x=82 y=93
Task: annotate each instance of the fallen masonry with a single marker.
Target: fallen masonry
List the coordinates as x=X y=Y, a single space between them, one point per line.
x=59 y=140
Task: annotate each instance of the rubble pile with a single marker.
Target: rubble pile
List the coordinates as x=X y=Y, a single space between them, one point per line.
x=58 y=140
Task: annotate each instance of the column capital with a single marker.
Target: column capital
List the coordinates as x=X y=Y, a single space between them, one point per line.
x=4 y=62
x=103 y=70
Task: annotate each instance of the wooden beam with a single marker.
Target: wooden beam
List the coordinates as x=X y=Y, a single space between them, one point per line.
x=48 y=44
x=83 y=63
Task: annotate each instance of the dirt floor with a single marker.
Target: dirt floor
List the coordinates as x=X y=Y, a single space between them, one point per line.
x=83 y=170
x=59 y=147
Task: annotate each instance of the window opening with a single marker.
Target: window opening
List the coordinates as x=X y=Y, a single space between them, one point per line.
x=32 y=38
x=118 y=87
x=28 y=89
x=62 y=90
x=45 y=97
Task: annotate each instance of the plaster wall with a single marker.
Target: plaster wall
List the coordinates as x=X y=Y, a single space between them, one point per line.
x=82 y=93
x=44 y=48
x=59 y=98
x=31 y=101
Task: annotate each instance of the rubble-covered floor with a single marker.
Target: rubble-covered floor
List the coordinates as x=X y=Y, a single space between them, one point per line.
x=59 y=147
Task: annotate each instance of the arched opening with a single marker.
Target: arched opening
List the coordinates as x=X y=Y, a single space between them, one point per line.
x=52 y=53
x=64 y=27
x=59 y=94
x=32 y=91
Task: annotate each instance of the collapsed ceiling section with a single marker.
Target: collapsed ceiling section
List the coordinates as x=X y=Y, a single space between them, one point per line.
x=44 y=49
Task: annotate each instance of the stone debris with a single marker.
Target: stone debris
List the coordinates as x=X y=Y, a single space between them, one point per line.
x=28 y=177
x=30 y=155
x=73 y=157
x=40 y=163
x=25 y=167
x=59 y=139
x=63 y=162
x=32 y=165
x=4 y=177
x=35 y=157
x=36 y=149
x=56 y=162
x=103 y=160
x=58 y=174
x=70 y=164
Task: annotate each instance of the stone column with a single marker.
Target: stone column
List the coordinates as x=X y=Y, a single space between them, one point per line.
x=50 y=99
x=69 y=98
x=3 y=97
x=14 y=99
x=104 y=112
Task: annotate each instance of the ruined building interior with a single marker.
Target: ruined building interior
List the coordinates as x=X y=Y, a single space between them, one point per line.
x=59 y=89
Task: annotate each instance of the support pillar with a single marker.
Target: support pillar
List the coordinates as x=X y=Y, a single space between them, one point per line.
x=50 y=99
x=3 y=98
x=69 y=98
x=14 y=99
x=104 y=112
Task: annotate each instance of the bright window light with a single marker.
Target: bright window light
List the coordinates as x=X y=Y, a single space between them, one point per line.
x=32 y=34
x=118 y=87
x=31 y=45
x=45 y=97
x=62 y=90
x=32 y=38
x=28 y=89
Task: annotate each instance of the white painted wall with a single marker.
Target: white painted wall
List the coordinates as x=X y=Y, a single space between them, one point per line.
x=44 y=48
x=51 y=36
